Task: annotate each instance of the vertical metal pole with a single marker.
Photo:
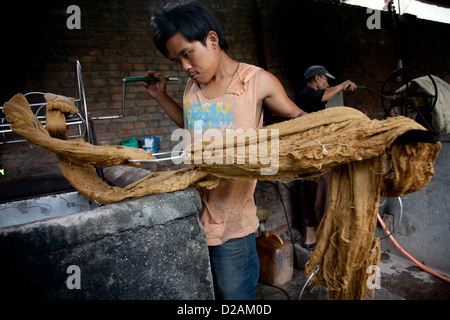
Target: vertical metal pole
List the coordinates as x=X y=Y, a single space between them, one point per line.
x=82 y=98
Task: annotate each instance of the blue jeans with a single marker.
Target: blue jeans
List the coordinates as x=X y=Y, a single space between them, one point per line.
x=235 y=268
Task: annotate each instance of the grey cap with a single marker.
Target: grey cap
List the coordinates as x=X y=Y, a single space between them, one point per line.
x=317 y=70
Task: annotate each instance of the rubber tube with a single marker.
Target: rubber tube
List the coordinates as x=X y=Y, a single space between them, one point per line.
x=408 y=255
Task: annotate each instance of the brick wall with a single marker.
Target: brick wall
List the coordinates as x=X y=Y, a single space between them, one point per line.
x=298 y=34
x=115 y=41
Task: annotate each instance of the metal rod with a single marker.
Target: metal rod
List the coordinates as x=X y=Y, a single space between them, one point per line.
x=152 y=79
x=371 y=90
x=133 y=79
x=82 y=99
x=181 y=155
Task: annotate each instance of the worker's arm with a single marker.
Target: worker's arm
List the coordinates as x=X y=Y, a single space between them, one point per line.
x=274 y=97
x=157 y=90
x=344 y=86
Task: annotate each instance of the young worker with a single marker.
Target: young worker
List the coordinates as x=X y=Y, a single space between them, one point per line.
x=224 y=94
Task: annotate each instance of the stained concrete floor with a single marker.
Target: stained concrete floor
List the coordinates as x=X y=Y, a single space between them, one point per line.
x=400 y=279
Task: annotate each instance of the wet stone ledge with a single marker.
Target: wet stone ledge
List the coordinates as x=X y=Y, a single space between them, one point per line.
x=147 y=248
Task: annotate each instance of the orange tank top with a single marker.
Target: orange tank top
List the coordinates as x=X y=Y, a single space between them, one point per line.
x=228 y=211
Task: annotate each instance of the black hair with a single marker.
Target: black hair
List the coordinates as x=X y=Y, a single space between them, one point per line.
x=192 y=19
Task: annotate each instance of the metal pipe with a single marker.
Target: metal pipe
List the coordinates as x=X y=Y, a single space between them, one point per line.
x=82 y=99
x=136 y=79
x=151 y=79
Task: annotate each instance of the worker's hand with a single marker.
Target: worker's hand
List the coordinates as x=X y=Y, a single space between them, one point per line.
x=155 y=88
x=348 y=86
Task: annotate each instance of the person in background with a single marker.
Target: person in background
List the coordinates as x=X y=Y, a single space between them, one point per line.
x=221 y=93
x=316 y=91
x=312 y=97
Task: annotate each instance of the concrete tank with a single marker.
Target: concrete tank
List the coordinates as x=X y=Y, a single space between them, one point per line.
x=147 y=248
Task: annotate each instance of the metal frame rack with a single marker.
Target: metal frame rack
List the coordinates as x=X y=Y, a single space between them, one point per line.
x=81 y=120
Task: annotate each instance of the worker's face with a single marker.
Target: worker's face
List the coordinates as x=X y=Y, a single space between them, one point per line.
x=199 y=61
x=322 y=82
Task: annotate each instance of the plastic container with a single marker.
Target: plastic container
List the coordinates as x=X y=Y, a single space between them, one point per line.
x=276 y=259
x=129 y=142
x=151 y=144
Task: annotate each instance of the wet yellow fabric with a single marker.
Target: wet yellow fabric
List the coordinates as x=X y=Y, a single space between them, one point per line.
x=364 y=160
x=57 y=109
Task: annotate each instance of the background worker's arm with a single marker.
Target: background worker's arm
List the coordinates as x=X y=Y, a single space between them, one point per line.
x=274 y=97
x=344 y=86
x=157 y=90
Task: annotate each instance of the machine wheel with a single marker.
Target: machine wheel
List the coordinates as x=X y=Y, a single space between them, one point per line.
x=399 y=95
